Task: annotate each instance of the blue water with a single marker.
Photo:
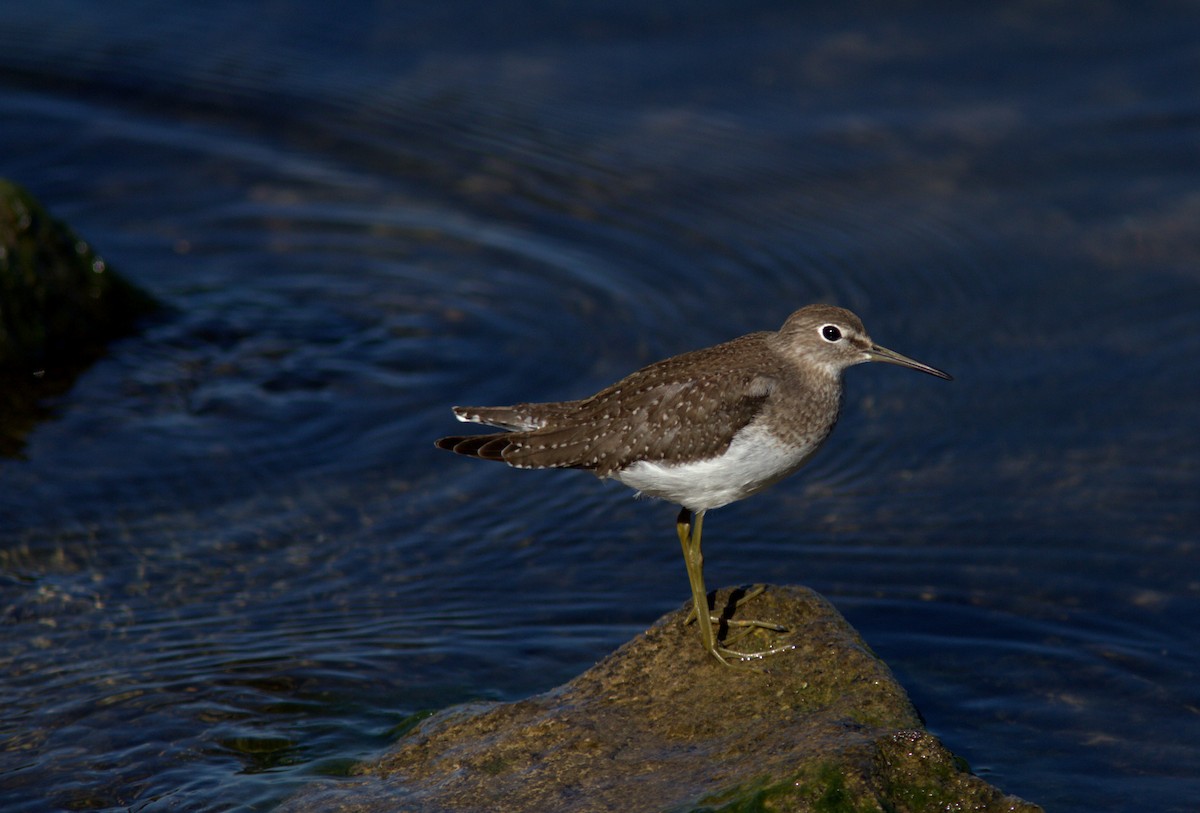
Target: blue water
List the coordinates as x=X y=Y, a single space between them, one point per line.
x=233 y=561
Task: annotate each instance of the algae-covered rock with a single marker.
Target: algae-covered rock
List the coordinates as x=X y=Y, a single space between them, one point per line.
x=60 y=302
x=662 y=726
x=60 y=305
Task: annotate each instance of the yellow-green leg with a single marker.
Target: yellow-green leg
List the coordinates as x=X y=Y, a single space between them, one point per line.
x=689 y=527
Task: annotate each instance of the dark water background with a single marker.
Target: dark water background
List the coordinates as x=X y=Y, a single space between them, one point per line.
x=234 y=561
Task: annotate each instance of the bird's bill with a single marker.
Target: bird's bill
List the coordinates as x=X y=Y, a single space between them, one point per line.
x=877 y=353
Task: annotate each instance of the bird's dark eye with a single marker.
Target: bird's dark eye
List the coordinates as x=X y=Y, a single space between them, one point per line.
x=830 y=333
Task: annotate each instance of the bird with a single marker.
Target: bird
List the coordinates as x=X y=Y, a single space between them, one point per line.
x=701 y=429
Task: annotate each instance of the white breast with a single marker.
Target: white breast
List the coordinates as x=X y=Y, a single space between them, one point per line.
x=754 y=460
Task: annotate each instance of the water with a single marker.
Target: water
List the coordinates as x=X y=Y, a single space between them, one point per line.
x=232 y=561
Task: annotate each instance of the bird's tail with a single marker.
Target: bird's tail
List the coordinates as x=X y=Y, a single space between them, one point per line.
x=486 y=447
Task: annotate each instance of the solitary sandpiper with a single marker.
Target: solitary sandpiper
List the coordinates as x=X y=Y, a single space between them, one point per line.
x=702 y=429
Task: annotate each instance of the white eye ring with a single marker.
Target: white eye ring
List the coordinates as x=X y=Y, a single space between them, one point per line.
x=831 y=334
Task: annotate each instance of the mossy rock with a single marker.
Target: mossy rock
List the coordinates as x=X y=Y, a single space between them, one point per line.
x=60 y=301
x=61 y=304
x=660 y=726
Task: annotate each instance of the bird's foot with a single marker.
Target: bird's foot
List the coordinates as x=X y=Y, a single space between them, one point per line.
x=726 y=648
x=735 y=603
x=723 y=648
x=738 y=658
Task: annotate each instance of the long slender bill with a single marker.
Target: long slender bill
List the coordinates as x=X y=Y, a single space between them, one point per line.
x=877 y=353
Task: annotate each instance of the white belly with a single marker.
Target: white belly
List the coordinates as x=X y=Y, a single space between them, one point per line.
x=756 y=459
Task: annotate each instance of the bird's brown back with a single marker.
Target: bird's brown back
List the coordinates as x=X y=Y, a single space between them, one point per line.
x=685 y=407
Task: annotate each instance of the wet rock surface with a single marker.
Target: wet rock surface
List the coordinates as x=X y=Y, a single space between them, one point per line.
x=60 y=305
x=660 y=725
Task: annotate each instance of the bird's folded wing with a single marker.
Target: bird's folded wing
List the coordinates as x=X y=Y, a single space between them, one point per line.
x=661 y=420
x=517 y=418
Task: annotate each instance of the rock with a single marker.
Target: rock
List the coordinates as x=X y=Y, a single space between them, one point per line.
x=60 y=305
x=60 y=302
x=660 y=725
